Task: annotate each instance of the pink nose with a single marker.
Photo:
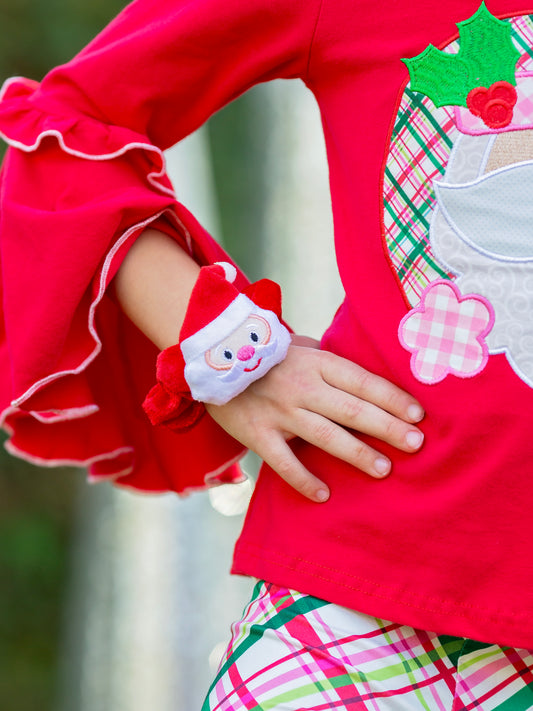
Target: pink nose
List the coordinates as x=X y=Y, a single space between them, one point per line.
x=245 y=353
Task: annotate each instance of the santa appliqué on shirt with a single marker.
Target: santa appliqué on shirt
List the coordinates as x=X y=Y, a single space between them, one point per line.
x=457 y=201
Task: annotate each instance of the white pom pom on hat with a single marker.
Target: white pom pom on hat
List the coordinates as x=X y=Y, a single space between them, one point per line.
x=229 y=270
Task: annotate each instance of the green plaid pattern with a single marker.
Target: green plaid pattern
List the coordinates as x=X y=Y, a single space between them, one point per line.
x=294 y=652
x=421 y=143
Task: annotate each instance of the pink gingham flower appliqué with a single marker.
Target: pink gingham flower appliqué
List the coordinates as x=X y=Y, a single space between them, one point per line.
x=446 y=333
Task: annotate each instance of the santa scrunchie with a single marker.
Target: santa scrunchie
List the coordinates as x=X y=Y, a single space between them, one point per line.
x=228 y=340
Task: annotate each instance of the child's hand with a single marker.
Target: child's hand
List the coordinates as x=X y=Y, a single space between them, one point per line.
x=315 y=395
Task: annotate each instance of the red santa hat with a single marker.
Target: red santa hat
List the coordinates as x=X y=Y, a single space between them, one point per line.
x=216 y=308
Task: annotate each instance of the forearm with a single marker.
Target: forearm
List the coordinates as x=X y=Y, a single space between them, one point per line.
x=153 y=286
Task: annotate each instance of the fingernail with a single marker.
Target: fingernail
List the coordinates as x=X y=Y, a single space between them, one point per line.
x=415 y=413
x=382 y=466
x=414 y=439
x=322 y=495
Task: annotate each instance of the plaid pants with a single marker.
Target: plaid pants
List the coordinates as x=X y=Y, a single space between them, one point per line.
x=294 y=652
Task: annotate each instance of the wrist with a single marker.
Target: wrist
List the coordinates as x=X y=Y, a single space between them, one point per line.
x=228 y=340
x=304 y=341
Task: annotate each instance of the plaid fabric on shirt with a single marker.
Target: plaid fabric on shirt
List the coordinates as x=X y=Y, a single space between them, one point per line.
x=292 y=652
x=419 y=151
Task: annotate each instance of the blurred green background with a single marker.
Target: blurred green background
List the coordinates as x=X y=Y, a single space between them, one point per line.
x=37 y=506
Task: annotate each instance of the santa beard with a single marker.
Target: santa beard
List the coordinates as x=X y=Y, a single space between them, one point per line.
x=220 y=386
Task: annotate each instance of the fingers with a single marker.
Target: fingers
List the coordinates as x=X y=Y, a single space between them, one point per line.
x=351 y=378
x=335 y=440
x=260 y=433
x=317 y=395
x=340 y=443
x=363 y=416
x=282 y=460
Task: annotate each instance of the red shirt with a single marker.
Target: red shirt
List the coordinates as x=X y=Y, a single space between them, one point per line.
x=444 y=542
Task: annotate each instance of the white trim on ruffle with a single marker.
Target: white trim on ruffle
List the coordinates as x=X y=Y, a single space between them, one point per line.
x=41 y=462
x=48 y=417
x=29 y=148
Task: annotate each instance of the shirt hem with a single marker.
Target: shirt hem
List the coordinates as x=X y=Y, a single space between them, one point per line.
x=418 y=609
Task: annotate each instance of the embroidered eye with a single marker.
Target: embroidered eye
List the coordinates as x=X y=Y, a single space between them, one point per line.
x=222 y=357
x=258 y=330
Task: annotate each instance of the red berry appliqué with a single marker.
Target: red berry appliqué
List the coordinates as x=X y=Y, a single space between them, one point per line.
x=493 y=105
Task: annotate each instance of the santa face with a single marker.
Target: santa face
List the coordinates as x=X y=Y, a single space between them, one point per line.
x=242 y=356
x=242 y=344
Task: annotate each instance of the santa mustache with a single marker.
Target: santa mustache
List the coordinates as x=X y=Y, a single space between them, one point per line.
x=240 y=367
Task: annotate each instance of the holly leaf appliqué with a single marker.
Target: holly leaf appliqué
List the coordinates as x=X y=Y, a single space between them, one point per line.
x=486 y=55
